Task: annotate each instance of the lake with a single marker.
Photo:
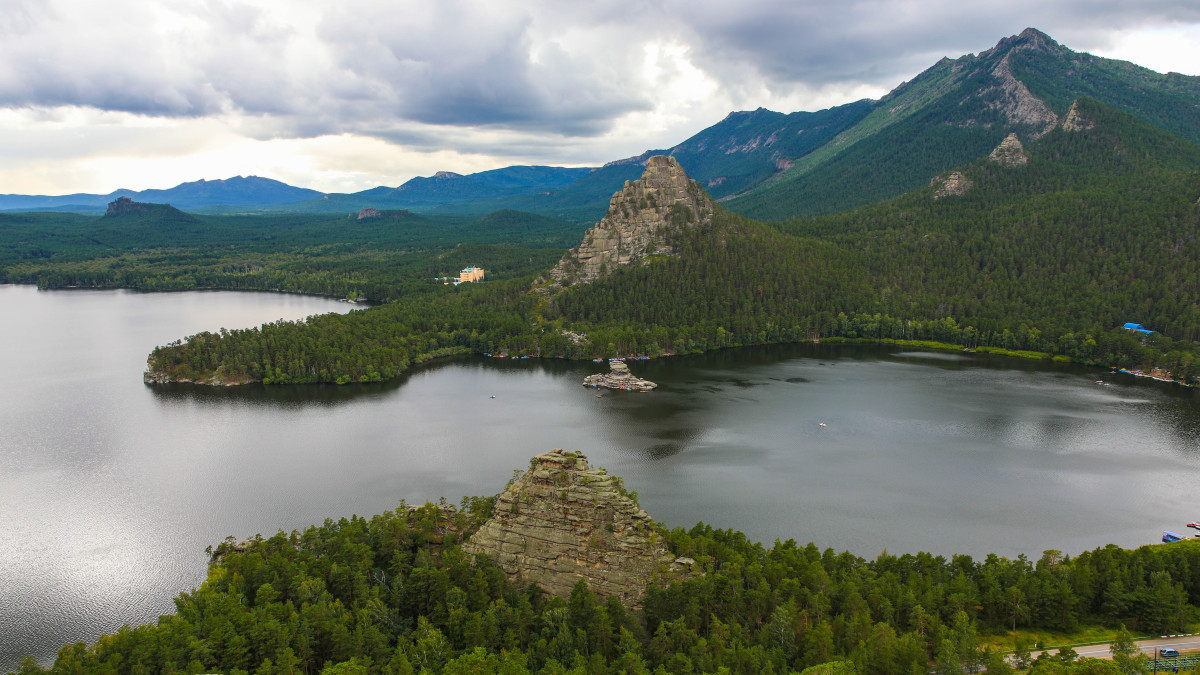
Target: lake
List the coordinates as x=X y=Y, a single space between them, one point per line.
x=110 y=490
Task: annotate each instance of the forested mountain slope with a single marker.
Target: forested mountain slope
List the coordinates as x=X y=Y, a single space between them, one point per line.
x=958 y=110
x=1098 y=227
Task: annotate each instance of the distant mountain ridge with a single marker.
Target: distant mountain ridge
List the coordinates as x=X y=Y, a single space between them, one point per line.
x=960 y=109
x=764 y=164
x=236 y=191
x=775 y=166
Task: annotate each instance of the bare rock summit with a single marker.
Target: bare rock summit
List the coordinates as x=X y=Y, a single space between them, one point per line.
x=640 y=219
x=1010 y=152
x=953 y=183
x=563 y=521
x=1075 y=121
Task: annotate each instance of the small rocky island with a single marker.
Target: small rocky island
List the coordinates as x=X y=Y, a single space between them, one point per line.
x=618 y=377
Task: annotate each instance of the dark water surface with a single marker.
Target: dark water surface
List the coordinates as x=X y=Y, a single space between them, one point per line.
x=110 y=490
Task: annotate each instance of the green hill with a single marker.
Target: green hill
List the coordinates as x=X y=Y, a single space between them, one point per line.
x=959 y=109
x=1098 y=227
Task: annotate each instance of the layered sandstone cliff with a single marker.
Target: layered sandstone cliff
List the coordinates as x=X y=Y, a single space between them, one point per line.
x=640 y=219
x=563 y=521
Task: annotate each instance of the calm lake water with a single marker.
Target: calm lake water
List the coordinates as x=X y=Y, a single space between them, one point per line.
x=110 y=490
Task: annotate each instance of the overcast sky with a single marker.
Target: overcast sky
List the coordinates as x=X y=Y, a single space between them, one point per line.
x=343 y=96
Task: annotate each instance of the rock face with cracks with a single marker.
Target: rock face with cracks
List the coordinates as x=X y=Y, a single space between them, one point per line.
x=953 y=183
x=1010 y=152
x=563 y=521
x=640 y=218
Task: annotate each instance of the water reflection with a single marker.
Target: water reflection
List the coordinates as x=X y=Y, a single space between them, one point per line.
x=112 y=489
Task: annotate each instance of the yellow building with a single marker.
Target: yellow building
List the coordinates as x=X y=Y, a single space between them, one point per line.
x=470 y=274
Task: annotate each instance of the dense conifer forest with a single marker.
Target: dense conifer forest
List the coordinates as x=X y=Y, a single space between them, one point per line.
x=395 y=594
x=384 y=257
x=1047 y=259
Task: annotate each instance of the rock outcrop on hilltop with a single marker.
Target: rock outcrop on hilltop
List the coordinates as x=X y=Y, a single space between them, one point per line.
x=1075 y=121
x=563 y=521
x=640 y=218
x=124 y=205
x=953 y=183
x=1010 y=152
x=1010 y=96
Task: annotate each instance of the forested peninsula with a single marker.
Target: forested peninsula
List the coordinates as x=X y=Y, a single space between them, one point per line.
x=1045 y=249
x=397 y=593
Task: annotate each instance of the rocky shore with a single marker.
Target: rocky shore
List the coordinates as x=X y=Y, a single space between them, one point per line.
x=618 y=377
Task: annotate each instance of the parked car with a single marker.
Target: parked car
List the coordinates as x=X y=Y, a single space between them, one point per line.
x=1168 y=652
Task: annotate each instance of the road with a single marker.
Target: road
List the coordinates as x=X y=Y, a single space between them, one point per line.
x=1148 y=646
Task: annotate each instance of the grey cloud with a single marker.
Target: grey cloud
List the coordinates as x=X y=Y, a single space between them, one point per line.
x=461 y=65
x=880 y=43
x=545 y=73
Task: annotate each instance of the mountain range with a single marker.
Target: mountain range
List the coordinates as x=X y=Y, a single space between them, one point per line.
x=239 y=190
x=764 y=164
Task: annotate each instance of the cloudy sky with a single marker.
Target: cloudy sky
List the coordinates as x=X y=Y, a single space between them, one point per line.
x=342 y=96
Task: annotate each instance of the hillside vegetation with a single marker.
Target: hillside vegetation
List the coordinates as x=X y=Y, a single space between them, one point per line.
x=1098 y=228
x=158 y=248
x=395 y=594
x=958 y=110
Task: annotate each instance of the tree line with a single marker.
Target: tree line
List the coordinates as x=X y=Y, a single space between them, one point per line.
x=395 y=594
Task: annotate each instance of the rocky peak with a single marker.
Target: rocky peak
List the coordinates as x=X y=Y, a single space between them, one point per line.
x=1075 y=121
x=563 y=521
x=1017 y=103
x=367 y=213
x=640 y=218
x=1030 y=38
x=953 y=183
x=123 y=205
x=1010 y=152
x=446 y=174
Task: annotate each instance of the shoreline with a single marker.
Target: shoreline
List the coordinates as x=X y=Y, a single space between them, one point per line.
x=199 y=289
x=152 y=378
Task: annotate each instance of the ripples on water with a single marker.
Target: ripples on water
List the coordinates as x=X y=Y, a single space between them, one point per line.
x=111 y=490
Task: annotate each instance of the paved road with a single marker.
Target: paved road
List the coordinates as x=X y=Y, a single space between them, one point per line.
x=1182 y=643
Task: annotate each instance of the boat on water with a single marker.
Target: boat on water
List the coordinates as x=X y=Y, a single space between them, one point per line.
x=1170 y=537
x=1194 y=526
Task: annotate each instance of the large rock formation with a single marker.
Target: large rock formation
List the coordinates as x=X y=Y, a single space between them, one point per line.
x=1010 y=152
x=1075 y=121
x=1010 y=96
x=563 y=521
x=640 y=218
x=124 y=205
x=618 y=377
x=953 y=183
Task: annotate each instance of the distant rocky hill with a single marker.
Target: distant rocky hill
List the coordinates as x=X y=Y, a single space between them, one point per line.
x=236 y=191
x=748 y=147
x=769 y=165
x=641 y=218
x=449 y=192
x=563 y=521
x=124 y=208
x=774 y=166
x=960 y=109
